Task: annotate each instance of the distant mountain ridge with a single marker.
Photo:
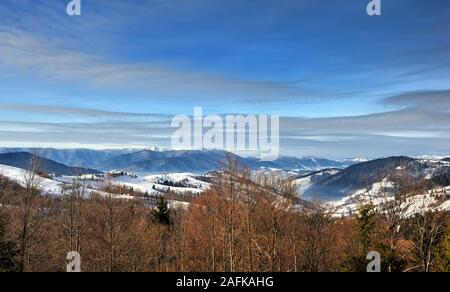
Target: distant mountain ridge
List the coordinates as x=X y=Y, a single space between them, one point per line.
x=154 y=161
x=22 y=160
x=200 y=161
x=316 y=178
x=307 y=163
x=208 y=160
x=85 y=158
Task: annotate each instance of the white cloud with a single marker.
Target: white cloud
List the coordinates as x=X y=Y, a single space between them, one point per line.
x=27 y=54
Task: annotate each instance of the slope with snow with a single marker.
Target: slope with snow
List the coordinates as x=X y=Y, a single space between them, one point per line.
x=154 y=184
x=18 y=175
x=356 y=177
x=305 y=182
x=381 y=194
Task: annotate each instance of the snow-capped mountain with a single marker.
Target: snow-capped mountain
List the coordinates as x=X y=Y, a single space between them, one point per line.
x=350 y=161
x=156 y=160
x=307 y=163
x=148 y=161
x=201 y=161
x=345 y=189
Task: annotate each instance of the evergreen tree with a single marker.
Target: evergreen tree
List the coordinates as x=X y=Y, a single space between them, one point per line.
x=365 y=230
x=161 y=213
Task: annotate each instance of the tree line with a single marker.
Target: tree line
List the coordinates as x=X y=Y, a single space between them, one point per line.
x=242 y=223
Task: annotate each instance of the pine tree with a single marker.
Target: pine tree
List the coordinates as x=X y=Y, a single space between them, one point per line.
x=161 y=213
x=366 y=228
x=364 y=240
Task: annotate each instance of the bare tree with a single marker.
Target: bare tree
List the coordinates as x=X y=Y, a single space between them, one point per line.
x=317 y=239
x=30 y=213
x=75 y=194
x=393 y=209
x=428 y=231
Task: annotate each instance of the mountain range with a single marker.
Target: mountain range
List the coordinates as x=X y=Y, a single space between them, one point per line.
x=151 y=161
x=334 y=184
x=22 y=160
x=86 y=158
x=316 y=178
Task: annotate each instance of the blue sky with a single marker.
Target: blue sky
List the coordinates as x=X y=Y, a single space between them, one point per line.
x=344 y=83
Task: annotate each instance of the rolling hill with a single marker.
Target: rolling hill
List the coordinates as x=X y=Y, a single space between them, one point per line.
x=22 y=160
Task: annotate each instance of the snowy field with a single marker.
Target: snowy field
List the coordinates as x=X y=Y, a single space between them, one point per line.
x=152 y=185
x=47 y=186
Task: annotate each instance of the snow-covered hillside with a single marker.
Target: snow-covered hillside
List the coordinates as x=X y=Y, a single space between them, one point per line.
x=303 y=183
x=344 y=183
x=47 y=186
x=349 y=185
x=381 y=195
x=152 y=185
x=157 y=184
